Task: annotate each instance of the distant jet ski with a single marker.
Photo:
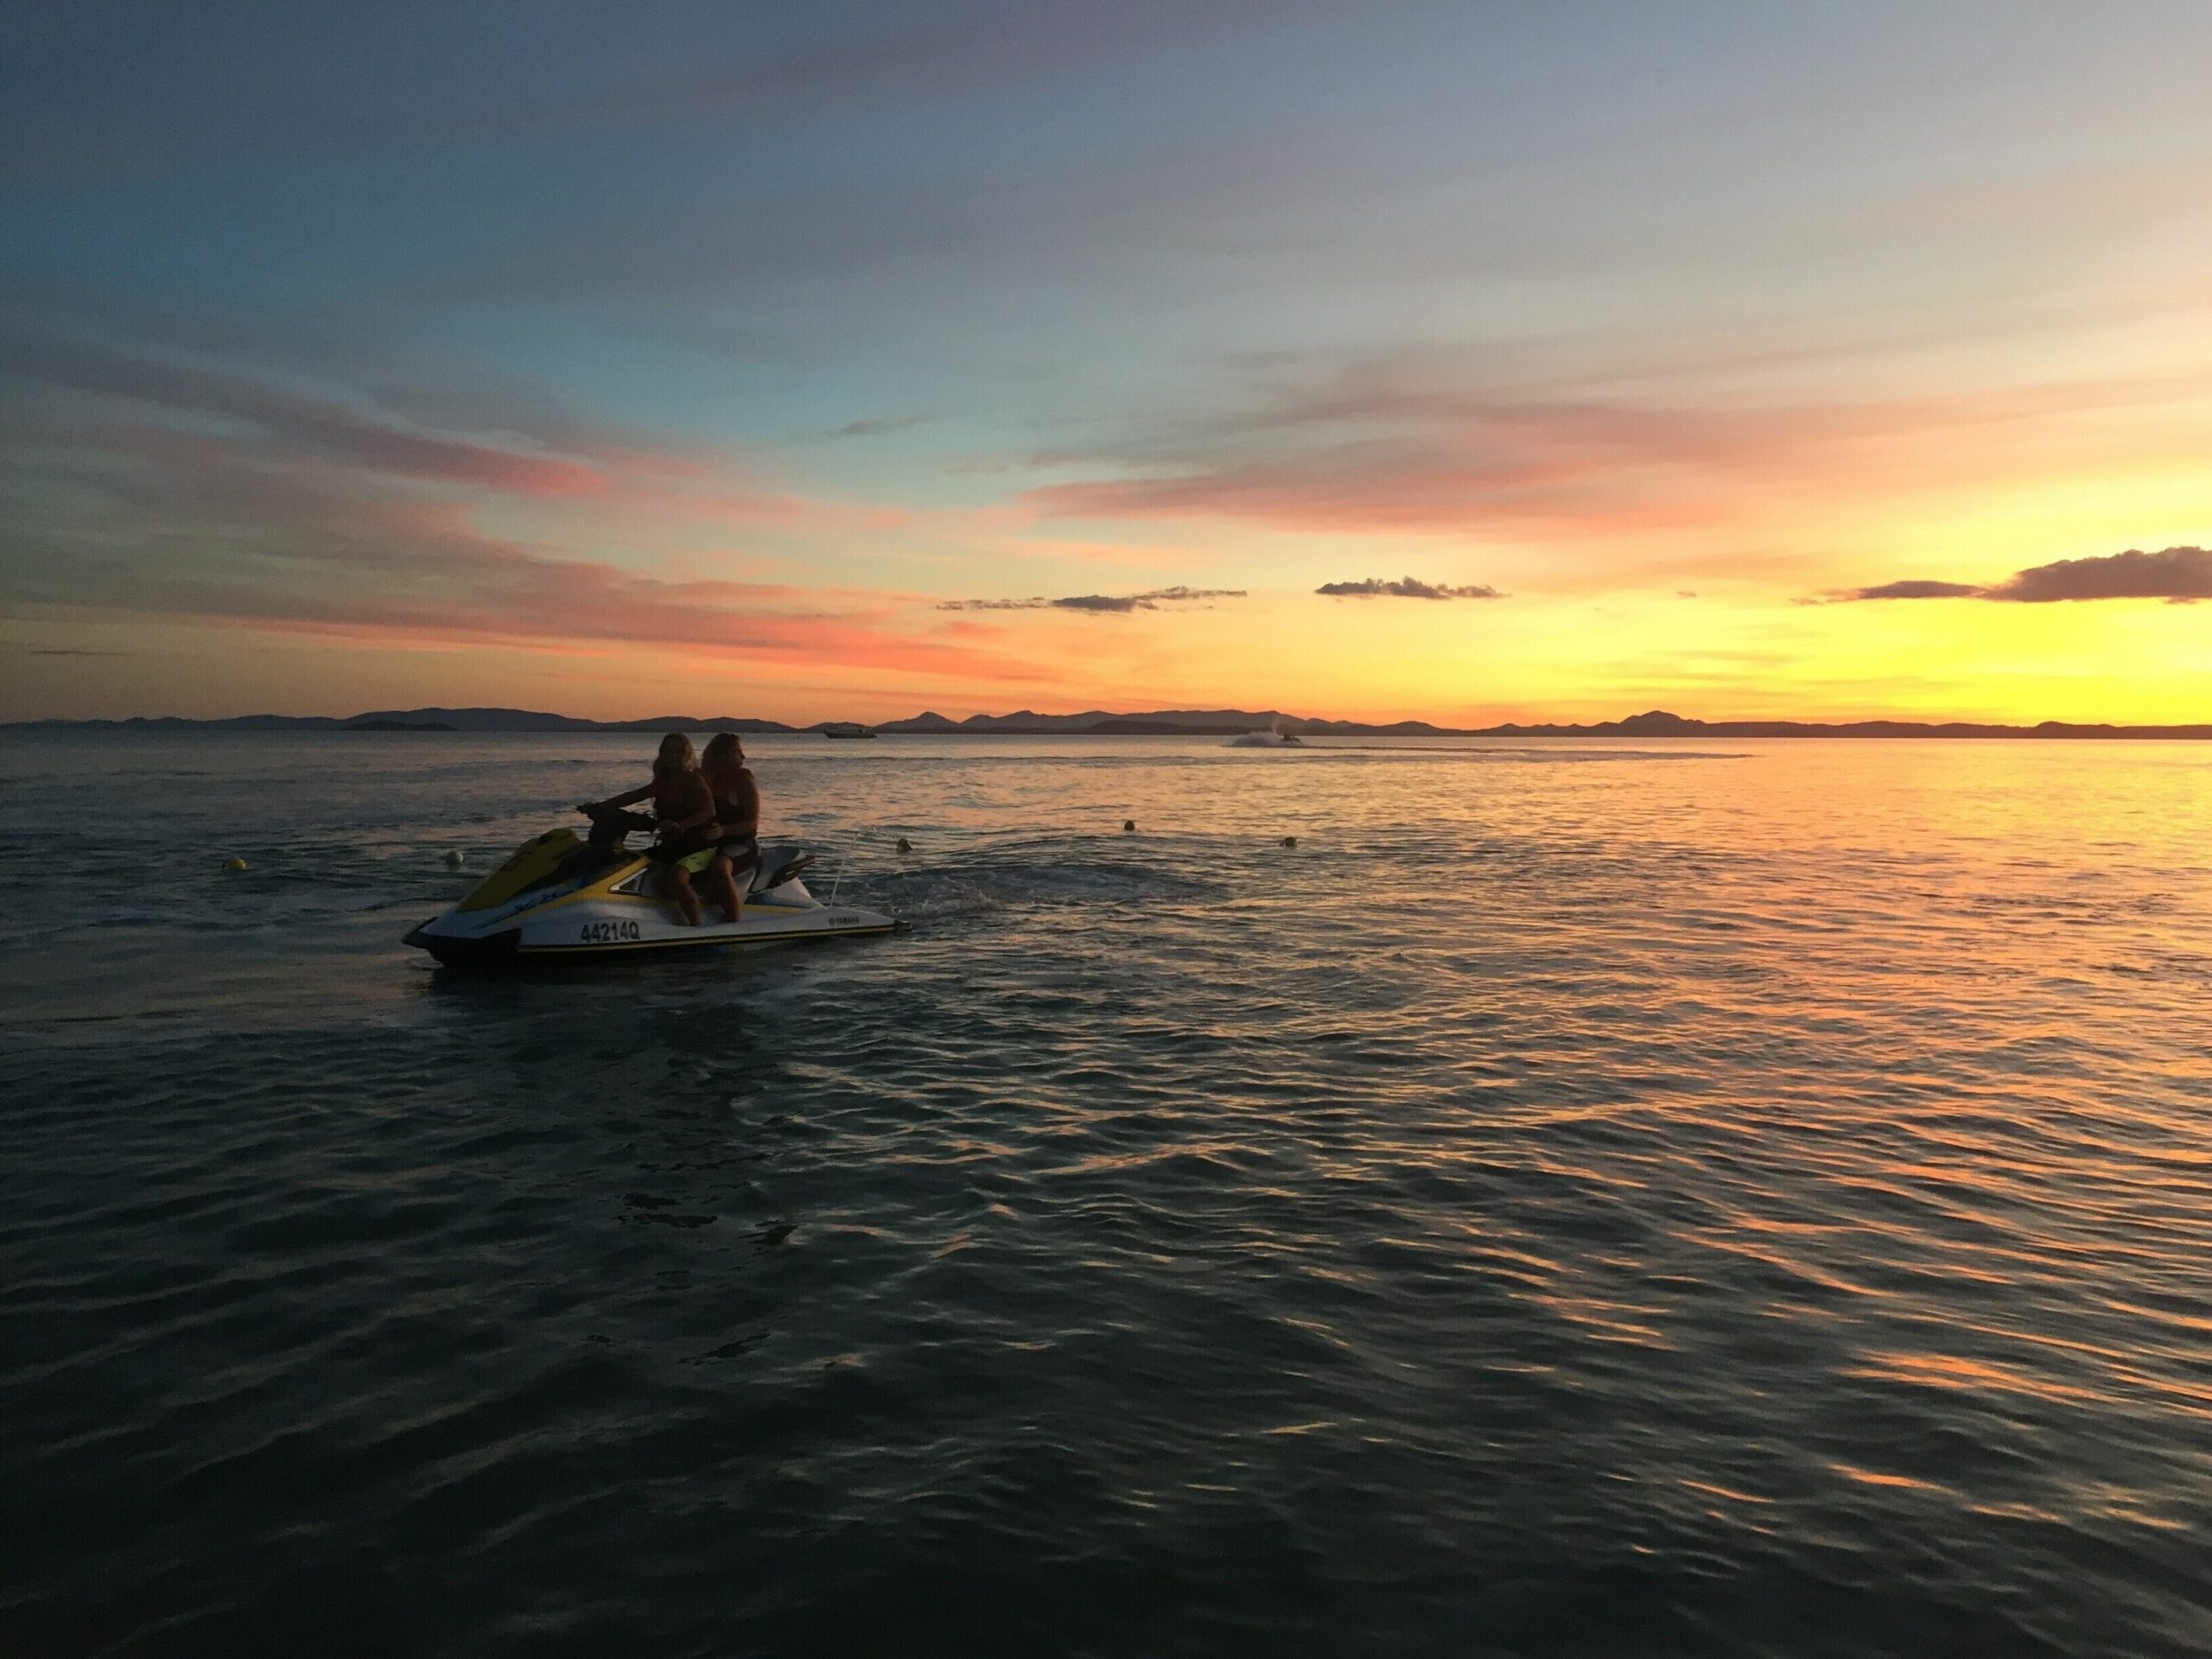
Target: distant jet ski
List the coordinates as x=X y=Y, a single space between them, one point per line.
x=562 y=899
x=1273 y=738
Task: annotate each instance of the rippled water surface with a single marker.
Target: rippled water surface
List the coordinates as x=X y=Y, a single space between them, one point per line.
x=1753 y=1199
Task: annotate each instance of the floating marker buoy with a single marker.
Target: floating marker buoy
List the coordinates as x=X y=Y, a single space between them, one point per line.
x=1290 y=840
x=905 y=845
x=234 y=864
x=453 y=861
x=1128 y=826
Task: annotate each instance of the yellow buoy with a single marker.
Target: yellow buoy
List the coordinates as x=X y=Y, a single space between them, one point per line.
x=235 y=864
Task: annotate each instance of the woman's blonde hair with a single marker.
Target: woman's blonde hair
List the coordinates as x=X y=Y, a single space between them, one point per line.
x=676 y=755
x=722 y=749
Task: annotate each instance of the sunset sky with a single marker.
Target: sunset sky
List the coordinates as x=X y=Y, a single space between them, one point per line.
x=844 y=361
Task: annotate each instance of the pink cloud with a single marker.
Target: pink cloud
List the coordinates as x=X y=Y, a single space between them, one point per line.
x=289 y=420
x=1374 y=450
x=466 y=587
x=158 y=521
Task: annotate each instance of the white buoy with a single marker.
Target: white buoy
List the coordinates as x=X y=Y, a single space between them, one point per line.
x=453 y=861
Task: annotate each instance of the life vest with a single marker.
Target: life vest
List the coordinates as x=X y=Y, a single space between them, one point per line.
x=726 y=803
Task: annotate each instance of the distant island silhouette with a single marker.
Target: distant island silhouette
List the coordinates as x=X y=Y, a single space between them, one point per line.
x=1097 y=722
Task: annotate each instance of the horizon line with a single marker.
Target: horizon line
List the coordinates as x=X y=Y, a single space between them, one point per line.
x=982 y=724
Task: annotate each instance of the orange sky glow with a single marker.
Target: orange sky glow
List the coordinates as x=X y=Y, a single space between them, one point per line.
x=1734 y=389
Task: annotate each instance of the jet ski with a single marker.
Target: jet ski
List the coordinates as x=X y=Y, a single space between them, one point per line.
x=1273 y=738
x=563 y=897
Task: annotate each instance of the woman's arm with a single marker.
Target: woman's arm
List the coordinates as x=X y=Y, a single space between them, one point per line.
x=627 y=797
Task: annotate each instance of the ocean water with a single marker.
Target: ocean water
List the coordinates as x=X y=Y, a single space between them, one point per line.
x=1752 y=1199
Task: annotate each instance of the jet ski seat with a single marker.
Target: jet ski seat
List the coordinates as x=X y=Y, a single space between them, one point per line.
x=778 y=865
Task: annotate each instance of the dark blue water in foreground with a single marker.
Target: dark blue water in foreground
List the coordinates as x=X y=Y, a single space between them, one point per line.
x=1577 y=1201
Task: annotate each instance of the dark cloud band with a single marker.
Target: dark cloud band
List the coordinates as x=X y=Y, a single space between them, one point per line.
x=2177 y=574
x=1099 y=604
x=1917 y=589
x=1404 y=588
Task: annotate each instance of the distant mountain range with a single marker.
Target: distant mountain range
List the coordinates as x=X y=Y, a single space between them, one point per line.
x=1171 y=722
x=1659 y=723
x=426 y=720
x=1096 y=722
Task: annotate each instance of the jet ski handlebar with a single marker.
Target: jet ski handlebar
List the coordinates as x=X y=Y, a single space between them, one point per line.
x=612 y=825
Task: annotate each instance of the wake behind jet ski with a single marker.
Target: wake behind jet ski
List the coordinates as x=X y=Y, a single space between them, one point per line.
x=560 y=898
x=1273 y=738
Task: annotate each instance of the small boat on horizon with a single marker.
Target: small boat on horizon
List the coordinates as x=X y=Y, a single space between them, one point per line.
x=847 y=729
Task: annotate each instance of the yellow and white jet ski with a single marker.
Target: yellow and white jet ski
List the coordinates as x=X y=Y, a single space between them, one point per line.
x=562 y=899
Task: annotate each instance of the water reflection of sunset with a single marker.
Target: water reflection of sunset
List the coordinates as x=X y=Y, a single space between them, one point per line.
x=1742 y=1158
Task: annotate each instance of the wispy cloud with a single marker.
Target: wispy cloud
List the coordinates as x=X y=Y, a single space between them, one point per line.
x=1405 y=588
x=1914 y=587
x=1427 y=440
x=290 y=419
x=157 y=475
x=1363 y=454
x=881 y=428
x=153 y=520
x=2178 y=575
x=1100 y=604
x=965 y=51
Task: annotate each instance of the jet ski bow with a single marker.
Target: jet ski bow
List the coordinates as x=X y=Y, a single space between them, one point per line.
x=560 y=898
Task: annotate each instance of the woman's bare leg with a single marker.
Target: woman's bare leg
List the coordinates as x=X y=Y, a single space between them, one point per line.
x=724 y=887
x=679 y=888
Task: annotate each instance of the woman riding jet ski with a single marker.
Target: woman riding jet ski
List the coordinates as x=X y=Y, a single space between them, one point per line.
x=683 y=812
x=562 y=899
